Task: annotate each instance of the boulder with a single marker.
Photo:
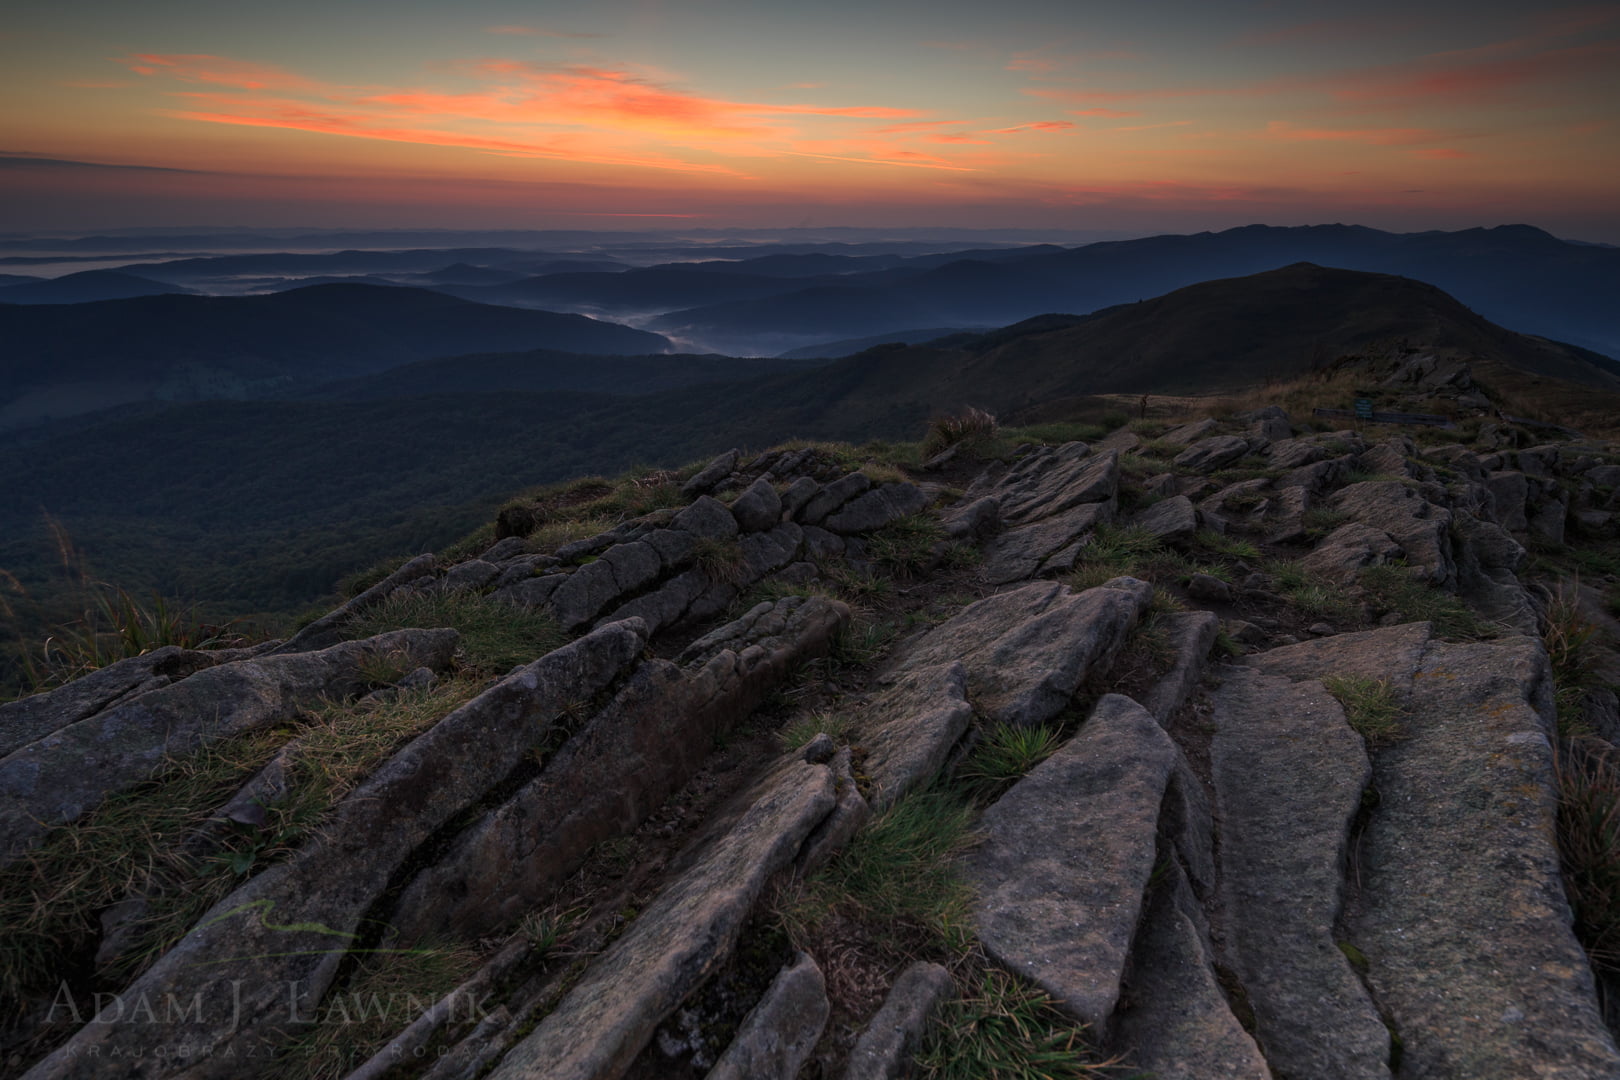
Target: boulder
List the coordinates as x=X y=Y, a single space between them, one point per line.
x=1190 y=432
x=707 y=518
x=1169 y=519
x=760 y=507
x=712 y=475
x=1420 y=527
x=1509 y=493
x=30 y=718
x=972 y=521
x=1018 y=553
x=1345 y=551
x=1050 y=481
x=1191 y=635
x=1026 y=651
x=832 y=497
x=470 y=576
x=877 y=508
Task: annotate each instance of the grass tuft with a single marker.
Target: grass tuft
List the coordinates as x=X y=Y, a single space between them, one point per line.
x=1006 y=753
x=973 y=428
x=1369 y=706
x=1001 y=1028
x=899 y=872
x=1571 y=647
x=1589 y=845
x=495 y=636
x=799 y=733
x=907 y=546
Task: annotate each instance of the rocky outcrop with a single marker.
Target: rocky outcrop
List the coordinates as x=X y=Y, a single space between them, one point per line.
x=1462 y=917
x=30 y=718
x=277 y=942
x=616 y=769
x=60 y=777
x=689 y=930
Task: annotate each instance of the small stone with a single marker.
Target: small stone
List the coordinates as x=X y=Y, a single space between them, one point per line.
x=1321 y=629
x=819 y=750
x=1208 y=587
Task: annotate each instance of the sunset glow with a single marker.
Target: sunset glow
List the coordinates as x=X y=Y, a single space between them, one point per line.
x=1029 y=114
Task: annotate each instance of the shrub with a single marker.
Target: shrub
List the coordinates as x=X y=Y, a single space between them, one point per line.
x=971 y=426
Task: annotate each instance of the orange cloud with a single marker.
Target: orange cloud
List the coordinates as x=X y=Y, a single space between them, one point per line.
x=600 y=115
x=202 y=68
x=296 y=116
x=1440 y=153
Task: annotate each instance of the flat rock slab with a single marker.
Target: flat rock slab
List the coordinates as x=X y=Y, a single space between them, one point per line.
x=911 y=727
x=59 y=778
x=777 y=1036
x=1463 y=918
x=1288 y=774
x=1018 y=553
x=262 y=958
x=682 y=937
x=885 y=1049
x=1027 y=650
x=1179 y=1025
x=1067 y=854
x=1051 y=480
x=26 y=719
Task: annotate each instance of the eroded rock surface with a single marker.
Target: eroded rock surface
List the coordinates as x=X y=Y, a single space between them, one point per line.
x=1066 y=857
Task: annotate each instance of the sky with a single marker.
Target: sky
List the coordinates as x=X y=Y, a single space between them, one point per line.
x=1157 y=116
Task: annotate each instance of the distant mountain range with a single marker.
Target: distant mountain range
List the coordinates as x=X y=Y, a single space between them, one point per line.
x=67 y=359
x=87 y=286
x=263 y=504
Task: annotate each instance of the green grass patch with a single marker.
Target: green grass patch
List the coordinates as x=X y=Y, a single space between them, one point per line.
x=908 y=545
x=1394 y=588
x=721 y=560
x=1226 y=545
x=898 y=872
x=1001 y=1028
x=1056 y=434
x=1369 y=705
x=495 y=636
x=799 y=733
x=1006 y=753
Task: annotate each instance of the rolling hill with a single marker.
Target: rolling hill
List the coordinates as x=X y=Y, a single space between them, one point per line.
x=261 y=505
x=64 y=360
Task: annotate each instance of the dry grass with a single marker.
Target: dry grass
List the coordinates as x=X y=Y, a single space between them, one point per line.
x=1589 y=844
x=149 y=843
